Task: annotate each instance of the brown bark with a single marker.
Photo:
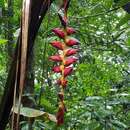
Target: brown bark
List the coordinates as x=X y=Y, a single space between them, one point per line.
x=38 y=11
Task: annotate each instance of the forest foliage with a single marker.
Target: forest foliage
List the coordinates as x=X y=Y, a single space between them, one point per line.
x=98 y=92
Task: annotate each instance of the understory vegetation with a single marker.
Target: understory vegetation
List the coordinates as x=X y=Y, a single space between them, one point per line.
x=97 y=96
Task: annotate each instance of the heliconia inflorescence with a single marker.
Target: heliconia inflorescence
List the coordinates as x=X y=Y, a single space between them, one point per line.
x=65 y=58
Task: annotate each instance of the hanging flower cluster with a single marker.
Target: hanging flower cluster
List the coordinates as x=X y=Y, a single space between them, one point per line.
x=65 y=58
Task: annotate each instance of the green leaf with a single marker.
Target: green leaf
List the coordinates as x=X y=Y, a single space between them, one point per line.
x=119 y=124
x=3 y=41
x=46 y=104
x=123 y=2
x=93 y=98
x=124 y=20
x=29 y=112
x=93 y=126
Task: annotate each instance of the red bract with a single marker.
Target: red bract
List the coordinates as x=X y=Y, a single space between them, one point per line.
x=57 y=45
x=71 y=52
x=72 y=42
x=57 y=69
x=70 y=61
x=70 y=30
x=62 y=82
x=59 y=32
x=56 y=58
x=68 y=71
x=60 y=116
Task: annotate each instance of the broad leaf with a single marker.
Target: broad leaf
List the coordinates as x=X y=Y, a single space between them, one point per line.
x=33 y=113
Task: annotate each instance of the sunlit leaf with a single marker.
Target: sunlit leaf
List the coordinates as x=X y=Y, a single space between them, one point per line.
x=3 y=41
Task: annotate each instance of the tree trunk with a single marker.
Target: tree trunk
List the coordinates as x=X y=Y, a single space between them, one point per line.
x=38 y=11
